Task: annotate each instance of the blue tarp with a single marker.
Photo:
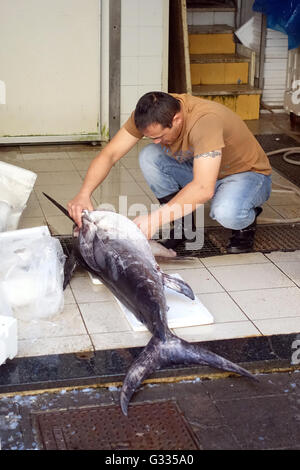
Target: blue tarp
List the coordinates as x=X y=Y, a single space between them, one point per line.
x=282 y=15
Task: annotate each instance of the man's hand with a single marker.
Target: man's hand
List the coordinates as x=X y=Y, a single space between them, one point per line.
x=148 y=224
x=77 y=205
x=98 y=170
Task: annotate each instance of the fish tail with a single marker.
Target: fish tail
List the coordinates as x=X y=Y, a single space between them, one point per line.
x=170 y=352
x=146 y=363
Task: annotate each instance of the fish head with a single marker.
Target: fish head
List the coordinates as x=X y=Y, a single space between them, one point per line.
x=97 y=223
x=85 y=240
x=76 y=231
x=89 y=227
x=105 y=224
x=111 y=225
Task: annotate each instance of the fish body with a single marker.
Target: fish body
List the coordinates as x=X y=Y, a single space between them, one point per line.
x=112 y=247
x=115 y=248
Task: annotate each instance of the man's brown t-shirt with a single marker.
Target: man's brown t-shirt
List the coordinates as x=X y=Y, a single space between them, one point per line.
x=209 y=126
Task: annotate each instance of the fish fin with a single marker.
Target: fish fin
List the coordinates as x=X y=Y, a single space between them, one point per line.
x=69 y=268
x=174 y=283
x=172 y=351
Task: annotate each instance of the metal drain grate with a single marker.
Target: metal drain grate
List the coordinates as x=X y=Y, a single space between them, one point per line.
x=66 y=243
x=151 y=426
x=209 y=249
x=267 y=238
x=274 y=237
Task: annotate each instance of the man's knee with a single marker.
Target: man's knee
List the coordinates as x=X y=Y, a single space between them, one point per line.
x=148 y=156
x=232 y=216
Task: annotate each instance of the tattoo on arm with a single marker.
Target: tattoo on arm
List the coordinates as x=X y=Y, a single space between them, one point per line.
x=212 y=154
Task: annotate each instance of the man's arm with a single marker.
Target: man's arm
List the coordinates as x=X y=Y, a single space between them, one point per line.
x=202 y=187
x=200 y=190
x=99 y=168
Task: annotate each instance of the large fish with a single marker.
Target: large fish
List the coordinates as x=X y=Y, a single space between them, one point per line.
x=113 y=248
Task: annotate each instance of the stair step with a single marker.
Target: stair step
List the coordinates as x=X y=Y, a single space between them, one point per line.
x=210 y=29
x=216 y=90
x=219 y=73
x=207 y=43
x=217 y=58
x=211 y=8
x=244 y=102
x=211 y=3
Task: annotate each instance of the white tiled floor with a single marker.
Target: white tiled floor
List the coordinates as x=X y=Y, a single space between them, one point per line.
x=248 y=294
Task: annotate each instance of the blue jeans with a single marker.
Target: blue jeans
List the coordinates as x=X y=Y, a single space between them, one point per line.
x=235 y=197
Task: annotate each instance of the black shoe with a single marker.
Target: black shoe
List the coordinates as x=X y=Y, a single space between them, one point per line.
x=176 y=235
x=242 y=241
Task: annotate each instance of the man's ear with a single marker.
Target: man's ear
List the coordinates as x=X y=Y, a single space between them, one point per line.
x=176 y=119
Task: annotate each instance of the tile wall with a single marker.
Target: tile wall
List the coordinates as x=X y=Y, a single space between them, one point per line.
x=144 y=27
x=210 y=18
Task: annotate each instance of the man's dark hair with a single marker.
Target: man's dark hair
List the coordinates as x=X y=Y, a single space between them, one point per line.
x=155 y=107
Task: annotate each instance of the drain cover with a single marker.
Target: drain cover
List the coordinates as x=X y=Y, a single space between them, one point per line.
x=209 y=249
x=267 y=238
x=66 y=243
x=151 y=426
x=273 y=237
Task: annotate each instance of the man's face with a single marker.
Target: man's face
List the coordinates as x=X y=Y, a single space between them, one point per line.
x=164 y=135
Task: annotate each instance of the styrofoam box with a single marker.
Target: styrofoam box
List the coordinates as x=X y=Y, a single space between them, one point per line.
x=24 y=233
x=8 y=338
x=182 y=311
x=16 y=184
x=24 y=285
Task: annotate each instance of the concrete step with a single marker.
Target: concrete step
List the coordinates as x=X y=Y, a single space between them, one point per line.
x=242 y=99
x=218 y=72
x=217 y=58
x=214 y=90
x=210 y=29
x=212 y=40
x=208 y=6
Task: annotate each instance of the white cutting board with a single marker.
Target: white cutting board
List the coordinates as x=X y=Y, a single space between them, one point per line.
x=182 y=311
